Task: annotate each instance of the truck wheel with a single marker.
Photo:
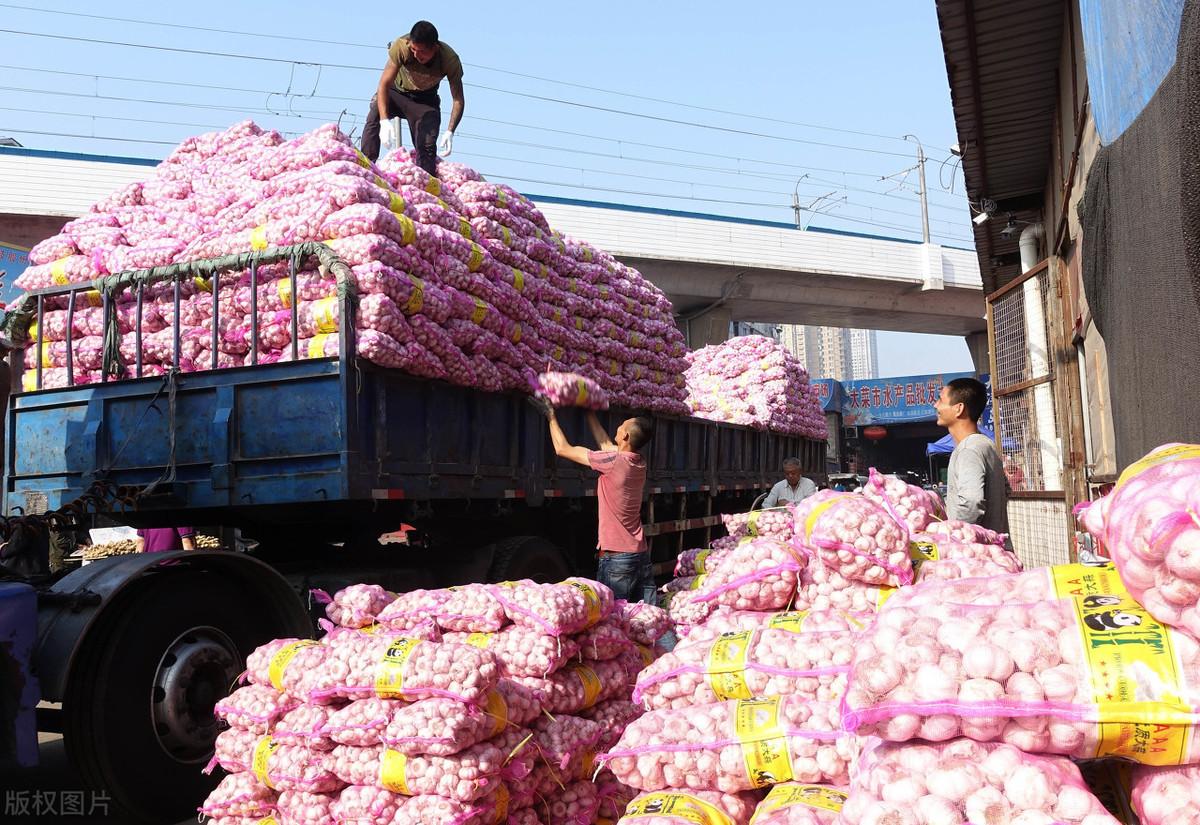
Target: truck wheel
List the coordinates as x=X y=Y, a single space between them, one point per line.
x=527 y=557
x=139 y=724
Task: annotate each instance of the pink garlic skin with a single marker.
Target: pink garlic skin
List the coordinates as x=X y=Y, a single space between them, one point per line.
x=240 y=795
x=963 y=781
x=1166 y=795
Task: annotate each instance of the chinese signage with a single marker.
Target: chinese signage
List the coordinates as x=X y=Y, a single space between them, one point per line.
x=13 y=260
x=894 y=400
x=829 y=393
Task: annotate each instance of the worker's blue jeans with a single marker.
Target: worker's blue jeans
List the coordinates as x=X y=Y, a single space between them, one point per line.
x=629 y=575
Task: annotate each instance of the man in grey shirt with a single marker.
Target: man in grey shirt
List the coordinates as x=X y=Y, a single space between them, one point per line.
x=976 y=488
x=793 y=489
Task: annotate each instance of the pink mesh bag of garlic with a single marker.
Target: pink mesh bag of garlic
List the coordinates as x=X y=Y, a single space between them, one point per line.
x=641 y=622
x=568 y=745
x=254 y=707
x=357 y=665
x=963 y=531
x=724 y=620
x=358 y=605
x=760 y=574
x=854 y=536
x=698 y=561
x=689 y=807
x=240 y=794
x=909 y=503
x=1043 y=677
x=579 y=686
x=465 y=776
x=612 y=715
x=603 y=641
x=304 y=808
x=1100 y=581
x=471 y=608
x=1149 y=526
x=521 y=652
x=574 y=804
x=733 y=746
x=774 y=522
x=794 y=803
x=925 y=549
x=1166 y=795
x=566 y=389
x=279 y=767
x=749 y=664
x=555 y=609
x=412 y=609
x=963 y=781
x=305 y=726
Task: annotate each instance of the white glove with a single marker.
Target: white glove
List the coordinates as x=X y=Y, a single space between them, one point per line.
x=389 y=134
x=446 y=143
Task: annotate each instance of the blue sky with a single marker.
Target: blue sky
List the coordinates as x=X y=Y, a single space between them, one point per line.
x=680 y=105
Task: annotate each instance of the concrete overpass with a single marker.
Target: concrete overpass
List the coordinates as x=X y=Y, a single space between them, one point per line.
x=714 y=269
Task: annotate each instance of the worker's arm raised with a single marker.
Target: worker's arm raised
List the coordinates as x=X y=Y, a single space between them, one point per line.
x=599 y=433
x=385 y=84
x=564 y=448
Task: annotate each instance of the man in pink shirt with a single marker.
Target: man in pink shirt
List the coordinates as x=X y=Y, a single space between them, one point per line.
x=624 y=557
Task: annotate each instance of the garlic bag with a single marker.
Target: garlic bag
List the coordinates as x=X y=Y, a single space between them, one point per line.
x=1148 y=525
x=859 y=539
x=555 y=609
x=1078 y=677
x=760 y=574
x=688 y=808
x=565 y=389
x=521 y=652
x=1166 y=795
x=749 y=664
x=792 y=803
x=734 y=746
x=961 y=781
x=906 y=502
x=1065 y=581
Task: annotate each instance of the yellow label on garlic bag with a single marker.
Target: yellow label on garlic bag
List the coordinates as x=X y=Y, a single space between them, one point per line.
x=93 y=298
x=590 y=681
x=282 y=658
x=476 y=259
x=29 y=381
x=1180 y=452
x=581 y=393
x=324 y=314
x=501 y=199
x=396 y=203
x=680 y=806
x=699 y=562
x=481 y=311
x=503 y=797
x=202 y=284
x=587 y=254
x=316 y=345
x=381 y=183
x=417 y=299
x=45 y=355
x=284 y=287
x=764 y=743
x=821 y=797
x=727 y=666
x=464 y=228
x=810 y=523
x=496 y=708
x=578 y=323
x=408 y=230
x=505 y=235
x=791 y=621
x=267 y=820
x=392 y=769
x=58 y=272
x=595 y=606
x=260 y=762
x=33 y=332
x=433 y=186
x=258 y=238
x=516 y=336
x=389 y=673
x=1095 y=585
x=614 y=368
x=923 y=551
x=885 y=593
x=647 y=653
x=480 y=640
x=557 y=353
x=361 y=159
x=1137 y=681
x=697 y=582
x=518 y=280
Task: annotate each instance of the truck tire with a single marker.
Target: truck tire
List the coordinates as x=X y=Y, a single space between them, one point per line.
x=138 y=707
x=527 y=557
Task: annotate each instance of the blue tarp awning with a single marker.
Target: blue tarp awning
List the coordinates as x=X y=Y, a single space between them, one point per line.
x=945 y=444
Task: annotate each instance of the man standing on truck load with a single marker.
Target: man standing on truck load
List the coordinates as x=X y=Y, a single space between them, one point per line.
x=976 y=489
x=793 y=489
x=408 y=88
x=624 y=557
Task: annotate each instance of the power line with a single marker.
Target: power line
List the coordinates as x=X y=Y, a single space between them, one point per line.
x=323 y=42
x=544 y=98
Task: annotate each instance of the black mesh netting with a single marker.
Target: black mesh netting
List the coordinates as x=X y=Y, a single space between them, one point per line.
x=1141 y=259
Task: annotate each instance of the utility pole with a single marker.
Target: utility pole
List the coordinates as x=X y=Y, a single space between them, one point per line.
x=923 y=191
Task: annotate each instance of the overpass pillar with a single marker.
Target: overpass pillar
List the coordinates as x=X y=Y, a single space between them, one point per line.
x=710 y=328
x=977 y=345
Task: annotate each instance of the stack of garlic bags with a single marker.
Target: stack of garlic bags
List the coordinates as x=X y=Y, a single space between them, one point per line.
x=476 y=290
x=980 y=691
x=481 y=704
x=754 y=381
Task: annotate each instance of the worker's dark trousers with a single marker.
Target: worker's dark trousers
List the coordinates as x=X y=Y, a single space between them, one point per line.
x=423 y=112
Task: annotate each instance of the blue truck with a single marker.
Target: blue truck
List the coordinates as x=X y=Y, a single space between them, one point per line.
x=313 y=459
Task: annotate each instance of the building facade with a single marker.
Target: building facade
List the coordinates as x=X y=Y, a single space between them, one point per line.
x=833 y=352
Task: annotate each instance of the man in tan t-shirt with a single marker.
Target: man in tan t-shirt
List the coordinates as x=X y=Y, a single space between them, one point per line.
x=624 y=557
x=408 y=88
